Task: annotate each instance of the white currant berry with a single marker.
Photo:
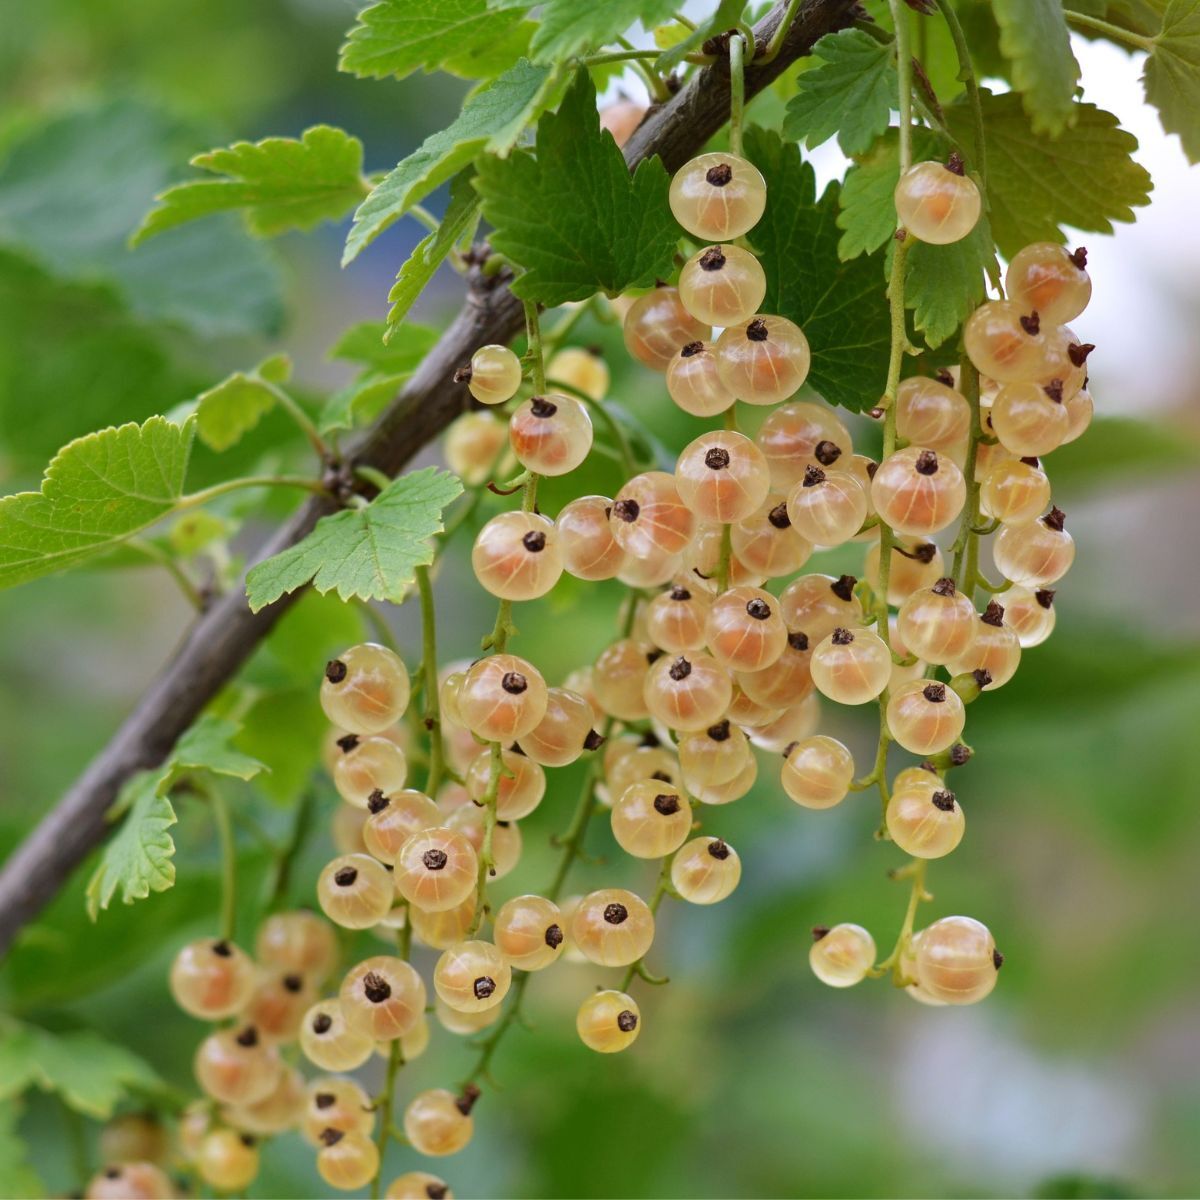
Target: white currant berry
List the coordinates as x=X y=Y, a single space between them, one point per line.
x=924 y=716
x=1050 y=280
x=355 y=891
x=931 y=413
x=211 y=978
x=675 y=619
x=585 y=539
x=502 y=697
x=619 y=678
x=608 y=1022
x=612 y=927
x=1030 y=614
x=706 y=870
x=722 y=285
x=994 y=655
x=551 y=434
x=827 y=508
x=914 y=563
x=841 y=957
x=437 y=1122
x=1005 y=342
x=767 y=543
x=657 y=327
x=722 y=476
x=1015 y=491
x=235 y=1066
x=394 y=819
x=472 y=976
x=925 y=822
x=516 y=556
x=649 y=516
x=816 y=605
x=694 y=383
x=851 y=666
x=473 y=445
x=937 y=202
x=328 y=1042
x=494 y=374
x=650 y=819
x=418 y=1185
x=1037 y=554
x=938 y=623
x=687 y=694
x=817 y=772
x=529 y=932
x=347 y=1161
x=365 y=689
x=382 y=997
x=1029 y=419
x=917 y=491
x=436 y=869
x=799 y=435
x=335 y=1102
x=582 y=368
x=957 y=960
x=764 y=360
x=227 y=1160
x=366 y=765
x=718 y=196
x=713 y=755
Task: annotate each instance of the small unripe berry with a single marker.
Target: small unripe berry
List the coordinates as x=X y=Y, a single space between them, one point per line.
x=841 y=956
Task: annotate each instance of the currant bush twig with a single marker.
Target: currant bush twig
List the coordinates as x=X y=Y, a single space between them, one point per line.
x=433 y=716
x=1115 y=32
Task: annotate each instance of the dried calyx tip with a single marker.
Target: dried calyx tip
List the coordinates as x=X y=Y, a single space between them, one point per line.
x=222 y=949
x=377 y=801
x=758 y=608
x=713 y=259
x=719 y=175
x=719 y=849
x=813 y=476
x=944 y=377
x=435 y=859
x=467 y=1098
x=798 y=641
x=1078 y=352
x=827 y=452
x=757 y=331
x=345 y=876
x=514 y=683
x=1044 y=596
x=541 y=407
x=719 y=732
x=943 y=800
x=666 y=804
x=593 y=740
x=1054 y=389
x=997 y=959
x=819 y=931
x=534 y=541
x=322 y=1023
x=627 y=511
x=982 y=676
x=680 y=669
x=347 y=743
x=959 y=754
x=463 y=374
x=935 y=693
x=335 y=670
x=1055 y=519
x=293 y=983
x=376 y=988
x=331 y=1136
x=842 y=637
x=943 y=587
x=778 y=516
x=1032 y=324
x=627 y=1021
x=843 y=587
x=554 y=936
x=615 y=914
x=993 y=614
x=690 y=349
x=1079 y=257
x=927 y=463
x=717 y=459
x=248 y=1037
x=954 y=164
x=483 y=987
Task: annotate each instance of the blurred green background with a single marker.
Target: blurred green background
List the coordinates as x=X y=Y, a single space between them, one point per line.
x=1080 y=1076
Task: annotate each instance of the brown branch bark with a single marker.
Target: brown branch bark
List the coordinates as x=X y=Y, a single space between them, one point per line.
x=223 y=638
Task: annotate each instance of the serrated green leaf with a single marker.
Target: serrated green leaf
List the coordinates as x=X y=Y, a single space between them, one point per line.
x=421 y=265
x=492 y=118
x=1172 y=77
x=1035 y=41
x=233 y=407
x=943 y=285
x=208 y=746
x=839 y=305
x=398 y=37
x=89 y=1073
x=360 y=401
x=868 y=208
x=1085 y=178
x=98 y=491
x=370 y=552
x=574 y=218
x=850 y=94
x=569 y=27
x=18 y=1179
x=279 y=184
x=726 y=15
x=137 y=859
x=364 y=344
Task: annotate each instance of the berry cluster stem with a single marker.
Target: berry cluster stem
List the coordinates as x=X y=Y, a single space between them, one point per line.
x=432 y=706
x=384 y=1105
x=965 y=566
x=737 y=91
x=914 y=871
x=661 y=889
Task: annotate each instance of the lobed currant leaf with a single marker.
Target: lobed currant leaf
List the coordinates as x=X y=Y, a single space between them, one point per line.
x=867 y=206
x=97 y=491
x=279 y=184
x=568 y=27
x=1037 y=44
x=492 y=118
x=231 y=408
x=370 y=553
x=208 y=746
x=573 y=217
x=850 y=94
x=1172 y=78
x=839 y=305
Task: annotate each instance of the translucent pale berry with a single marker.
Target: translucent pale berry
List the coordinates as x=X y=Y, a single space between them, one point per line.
x=917 y=491
x=657 y=327
x=1004 y=341
x=767 y=543
x=465 y=1024
x=366 y=765
x=687 y=693
x=551 y=434
x=134 y=1137
x=297 y=941
x=718 y=196
x=1036 y=554
x=516 y=556
x=529 y=932
x=675 y=619
x=562 y=735
x=915 y=563
x=925 y=717
x=707 y=792
x=1050 y=280
x=938 y=623
x=365 y=689
x=706 y=870
x=693 y=382
x=787 y=681
x=937 y=203
x=277 y=1006
x=347 y=1161
x=650 y=819
x=792 y=724
x=502 y=697
x=436 y=869
x=744 y=629
x=585 y=539
x=494 y=374
x=903 y=672
x=419 y=1185
x=228 y=1161
x=612 y=927
x=1030 y=614
x=925 y=822
x=649 y=516
x=329 y=1042
x=996 y=650
x=646 y=762
x=619 y=678
x=763 y=361
x=841 y=956
x=651 y=571
x=470 y=821
x=355 y=891
x=580 y=368
x=818 y=604
x=382 y=997
x=235 y=1066
x=130 y=1181
x=520 y=784
x=335 y=1102
x=714 y=755
x=394 y=819
x=472 y=976
x=957 y=960
x=1015 y=491
x=817 y=772
x=276 y=1112
x=722 y=476
x=702 y=562
x=438 y=1122
x=441 y=930
x=799 y=435
x=1079 y=414
x=930 y=413
x=722 y=285
x=1030 y=420
x=211 y=978
x=827 y=508
x=608 y=1022
x=473 y=445
x=851 y=666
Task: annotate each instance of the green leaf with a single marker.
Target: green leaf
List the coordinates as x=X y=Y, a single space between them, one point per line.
x=279 y=184
x=726 y=15
x=430 y=251
x=1172 y=78
x=233 y=407
x=364 y=344
x=197 y=530
x=398 y=37
x=850 y=94
x=569 y=26
x=370 y=552
x=839 y=305
x=98 y=490
x=89 y=1074
x=868 y=207
x=492 y=118
x=18 y=1180
x=1035 y=40
x=208 y=746
x=137 y=858
x=573 y=217
x=943 y=285
x=1085 y=178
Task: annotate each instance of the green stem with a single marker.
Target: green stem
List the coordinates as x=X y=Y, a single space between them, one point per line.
x=533 y=333
x=1136 y=40
x=220 y=811
x=654 y=82
x=248 y=481
x=374 y=477
x=433 y=716
x=300 y=417
x=425 y=217
x=384 y=1104
x=915 y=870
x=966 y=75
x=961 y=571
x=159 y=556
x=624 y=449
x=781 y=30
x=288 y=853
x=661 y=888
x=611 y=56
x=379 y=626
x=737 y=92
